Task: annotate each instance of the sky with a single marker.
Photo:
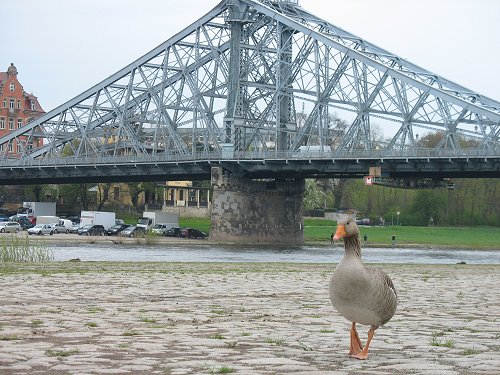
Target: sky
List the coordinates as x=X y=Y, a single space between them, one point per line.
x=63 y=47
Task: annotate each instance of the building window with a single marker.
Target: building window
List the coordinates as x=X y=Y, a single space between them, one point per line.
x=12 y=104
x=5 y=103
x=19 y=123
x=18 y=148
x=116 y=193
x=32 y=105
x=11 y=123
x=18 y=104
x=1 y=148
x=10 y=147
x=2 y=122
x=12 y=86
x=181 y=195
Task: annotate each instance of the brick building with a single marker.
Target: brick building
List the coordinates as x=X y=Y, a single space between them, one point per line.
x=17 y=108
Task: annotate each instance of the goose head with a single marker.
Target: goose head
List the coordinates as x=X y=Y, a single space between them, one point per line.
x=346 y=229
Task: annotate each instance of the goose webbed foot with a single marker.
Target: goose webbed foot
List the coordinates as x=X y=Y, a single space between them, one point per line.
x=356 y=345
x=364 y=353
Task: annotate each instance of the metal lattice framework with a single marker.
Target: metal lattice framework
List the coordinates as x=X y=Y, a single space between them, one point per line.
x=238 y=75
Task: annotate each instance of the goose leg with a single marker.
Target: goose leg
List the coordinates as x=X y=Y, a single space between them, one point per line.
x=356 y=344
x=364 y=353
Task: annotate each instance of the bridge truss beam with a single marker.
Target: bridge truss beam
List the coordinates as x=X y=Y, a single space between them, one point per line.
x=237 y=76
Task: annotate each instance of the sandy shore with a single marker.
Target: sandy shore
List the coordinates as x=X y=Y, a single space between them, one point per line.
x=167 y=318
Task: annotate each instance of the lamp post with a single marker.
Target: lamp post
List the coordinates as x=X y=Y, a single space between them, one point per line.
x=397 y=222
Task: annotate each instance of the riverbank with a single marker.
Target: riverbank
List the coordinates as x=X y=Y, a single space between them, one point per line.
x=63 y=238
x=199 y=318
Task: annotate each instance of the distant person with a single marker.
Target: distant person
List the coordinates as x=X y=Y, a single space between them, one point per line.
x=365 y=239
x=393 y=240
x=331 y=238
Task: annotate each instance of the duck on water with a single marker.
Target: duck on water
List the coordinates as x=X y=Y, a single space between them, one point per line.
x=363 y=295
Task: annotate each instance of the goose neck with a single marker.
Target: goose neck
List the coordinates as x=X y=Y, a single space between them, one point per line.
x=352 y=246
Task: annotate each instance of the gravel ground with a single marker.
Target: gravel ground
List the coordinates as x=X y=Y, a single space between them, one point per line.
x=199 y=318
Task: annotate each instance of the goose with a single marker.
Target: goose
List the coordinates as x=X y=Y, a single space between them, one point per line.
x=363 y=295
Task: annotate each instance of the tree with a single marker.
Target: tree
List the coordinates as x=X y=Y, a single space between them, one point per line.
x=313 y=196
x=135 y=189
x=428 y=204
x=103 y=194
x=84 y=195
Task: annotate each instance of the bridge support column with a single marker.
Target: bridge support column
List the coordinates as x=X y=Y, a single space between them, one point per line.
x=249 y=211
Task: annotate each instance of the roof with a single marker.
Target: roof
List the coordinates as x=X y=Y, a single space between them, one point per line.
x=38 y=107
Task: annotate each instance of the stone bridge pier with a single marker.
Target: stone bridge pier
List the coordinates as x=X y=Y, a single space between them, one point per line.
x=250 y=211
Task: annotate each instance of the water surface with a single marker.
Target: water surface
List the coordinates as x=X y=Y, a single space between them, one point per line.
x=233 y=253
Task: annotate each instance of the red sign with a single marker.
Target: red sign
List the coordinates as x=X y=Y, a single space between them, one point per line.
x=368 y=180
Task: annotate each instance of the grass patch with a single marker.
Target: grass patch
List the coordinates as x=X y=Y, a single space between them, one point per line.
x=217 y=336
x=470 y=351
x=146 y=319
x=131 y=333
x=326 y=330
x=476 y=237
x=278 y=341
x=218 y=311
x=436 y=342
x=95 y=310
x=36 y=322
x=61 y=353
x=9 y=338
x=321 y=229
x=151 y=239
x=91 y=324
x=23 y=249
x=223 y=370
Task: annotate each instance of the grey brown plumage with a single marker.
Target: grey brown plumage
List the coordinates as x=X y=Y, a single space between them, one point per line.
x=364 y=295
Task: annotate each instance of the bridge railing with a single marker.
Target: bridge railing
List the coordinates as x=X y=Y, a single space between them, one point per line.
x=418 y=153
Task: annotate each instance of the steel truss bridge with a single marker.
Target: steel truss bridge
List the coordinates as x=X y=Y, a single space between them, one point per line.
x=250 y=86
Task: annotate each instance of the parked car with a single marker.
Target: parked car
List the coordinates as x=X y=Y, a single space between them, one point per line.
x=173 y=232
x=41 y=229
x=10 y=226
x=92 y=230
x=364 y=221
x=119 y=221
x=60 y=228
x=74 y=228
x=133 y=231
x=116 y=229
x=159 y=229
x=63 y=226
x=192 y=233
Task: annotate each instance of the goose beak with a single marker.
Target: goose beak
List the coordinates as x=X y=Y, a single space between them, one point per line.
x=340 y=233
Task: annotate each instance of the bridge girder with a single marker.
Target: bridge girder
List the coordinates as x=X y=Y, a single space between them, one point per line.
x=237 y=76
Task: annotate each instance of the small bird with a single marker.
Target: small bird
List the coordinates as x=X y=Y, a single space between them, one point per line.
x=363 y=295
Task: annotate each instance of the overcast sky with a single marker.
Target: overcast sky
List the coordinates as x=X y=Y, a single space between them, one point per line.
x=63 y=47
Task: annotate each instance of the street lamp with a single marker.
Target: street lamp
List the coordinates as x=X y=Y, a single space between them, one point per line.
x=397 y=213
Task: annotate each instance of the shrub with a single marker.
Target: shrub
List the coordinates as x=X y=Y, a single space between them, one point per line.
x=18 y=249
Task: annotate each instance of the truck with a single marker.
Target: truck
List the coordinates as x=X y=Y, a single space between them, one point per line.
x=34 y=209
x=47 y=219
x=106 y=219
x=150 y=218
x=312 y=150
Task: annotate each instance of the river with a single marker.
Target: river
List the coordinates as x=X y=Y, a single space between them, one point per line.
x=233 y=253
